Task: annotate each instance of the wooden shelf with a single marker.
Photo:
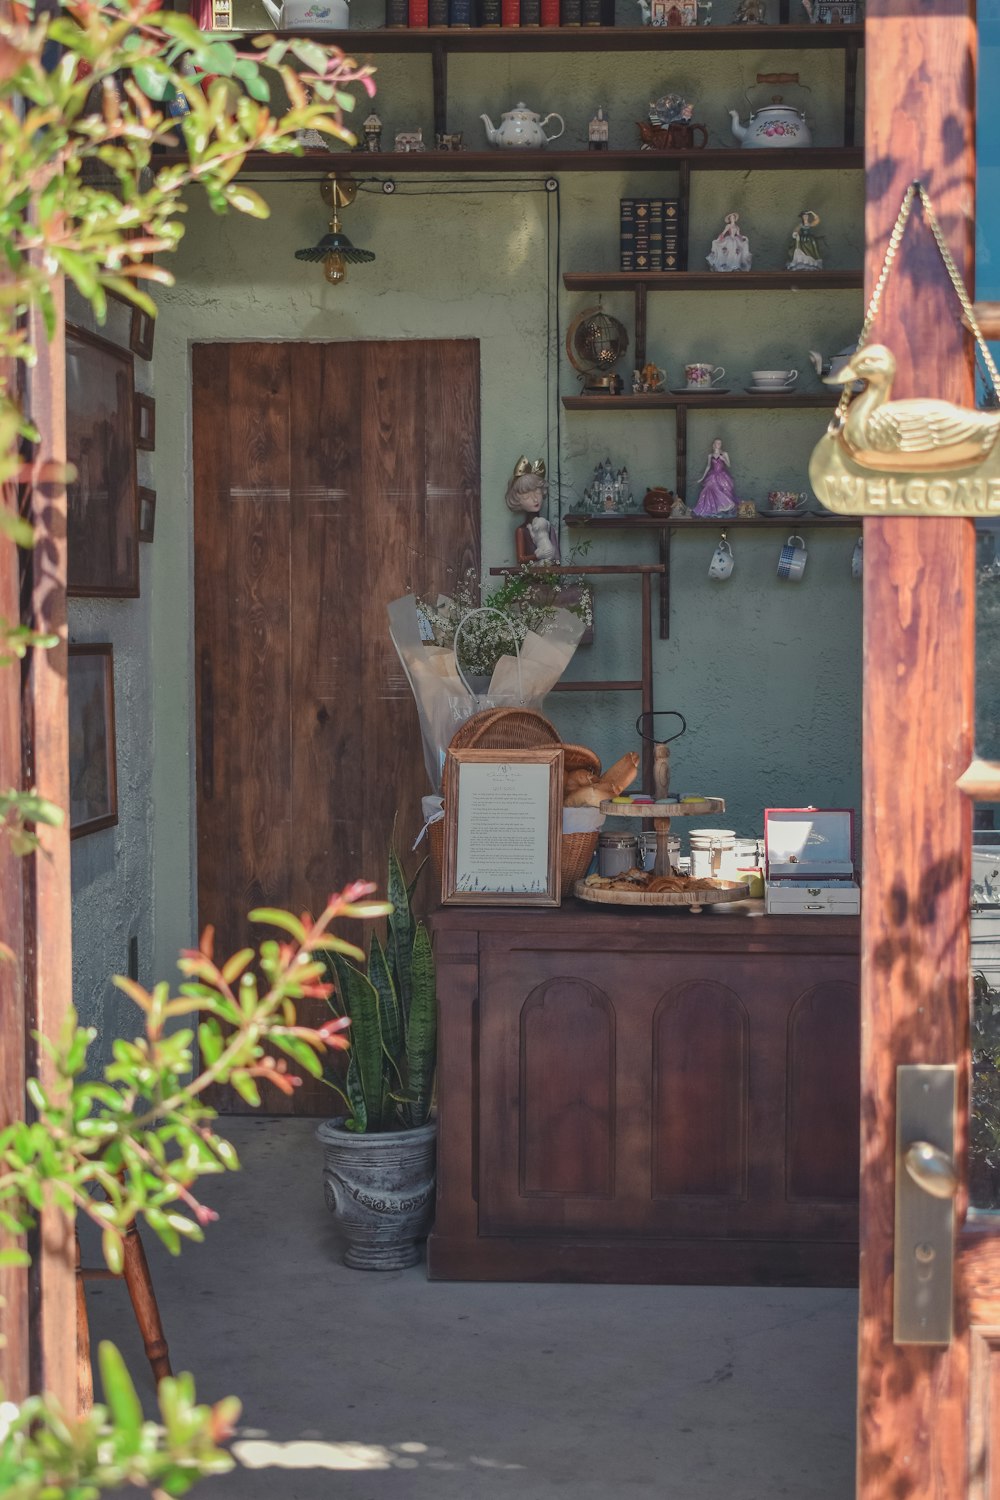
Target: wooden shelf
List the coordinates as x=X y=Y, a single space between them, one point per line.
x=540 y=163
x=738 y=401
x=584 y=38
x=713 y=281
x=708 y=523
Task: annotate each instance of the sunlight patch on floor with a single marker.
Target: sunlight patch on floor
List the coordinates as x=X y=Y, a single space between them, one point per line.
x=257 y=1452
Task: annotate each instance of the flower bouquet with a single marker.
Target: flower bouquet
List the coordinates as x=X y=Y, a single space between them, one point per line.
x=461 y=656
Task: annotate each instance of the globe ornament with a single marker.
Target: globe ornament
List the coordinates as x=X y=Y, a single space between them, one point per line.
x=595 y=342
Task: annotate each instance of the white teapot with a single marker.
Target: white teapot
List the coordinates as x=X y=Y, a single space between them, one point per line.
x=773 y=124
x=521 y=127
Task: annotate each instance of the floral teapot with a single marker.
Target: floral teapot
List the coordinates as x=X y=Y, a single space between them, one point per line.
x=773 y=124
x=521 y=127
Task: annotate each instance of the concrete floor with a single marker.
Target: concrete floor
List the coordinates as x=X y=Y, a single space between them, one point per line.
x=364 y=1386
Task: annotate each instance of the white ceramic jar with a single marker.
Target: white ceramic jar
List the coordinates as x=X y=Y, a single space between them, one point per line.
x=713 y=853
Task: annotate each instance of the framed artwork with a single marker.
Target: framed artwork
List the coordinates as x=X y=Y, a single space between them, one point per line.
x=102 y=502
x=147 y=513
x=145 y=422
x=502 y=827
x=140 y=334
x=93 y=776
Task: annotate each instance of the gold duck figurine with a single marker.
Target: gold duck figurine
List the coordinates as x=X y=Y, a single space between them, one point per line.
x=912 y=436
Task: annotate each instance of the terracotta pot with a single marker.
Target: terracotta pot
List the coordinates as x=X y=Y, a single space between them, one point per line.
x=380 y=1186
x=657 y=502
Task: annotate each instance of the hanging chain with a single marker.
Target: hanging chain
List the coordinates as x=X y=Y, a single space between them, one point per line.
x=895 y=237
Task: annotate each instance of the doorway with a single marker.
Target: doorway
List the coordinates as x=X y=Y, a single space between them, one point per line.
x=329 y=479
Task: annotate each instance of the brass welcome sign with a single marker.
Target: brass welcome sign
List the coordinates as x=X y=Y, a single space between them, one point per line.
x=916 y=457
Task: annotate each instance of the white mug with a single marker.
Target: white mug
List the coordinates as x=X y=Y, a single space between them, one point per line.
x=722 y=562
x=792 y=559
x=858 y=559
x=701 y=376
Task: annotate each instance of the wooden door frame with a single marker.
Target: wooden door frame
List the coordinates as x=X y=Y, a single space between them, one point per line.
x=919 y=631
x=36 y=985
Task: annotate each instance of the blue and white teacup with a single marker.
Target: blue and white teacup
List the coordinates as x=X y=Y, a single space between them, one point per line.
x=793 y=558
x=722 y=562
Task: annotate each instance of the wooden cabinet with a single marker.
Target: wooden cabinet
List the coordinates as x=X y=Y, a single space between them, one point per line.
x=647 y=1098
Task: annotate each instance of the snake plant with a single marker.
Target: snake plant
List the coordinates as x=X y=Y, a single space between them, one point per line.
x=393 y=1013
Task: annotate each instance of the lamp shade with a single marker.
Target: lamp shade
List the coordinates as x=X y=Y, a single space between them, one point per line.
x=335 y=243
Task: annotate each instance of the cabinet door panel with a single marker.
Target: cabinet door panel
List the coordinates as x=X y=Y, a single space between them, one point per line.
x=700 y=1076
x=649 y=1093
x=567 y=1093
x=823 y=1095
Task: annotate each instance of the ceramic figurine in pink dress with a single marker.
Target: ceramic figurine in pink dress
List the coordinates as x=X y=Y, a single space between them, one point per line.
x=717 y=496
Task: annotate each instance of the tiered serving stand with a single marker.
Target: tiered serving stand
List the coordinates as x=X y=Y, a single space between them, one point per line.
x=661 y=814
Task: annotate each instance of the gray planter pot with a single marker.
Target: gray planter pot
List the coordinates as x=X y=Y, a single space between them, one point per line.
x=381 y=1189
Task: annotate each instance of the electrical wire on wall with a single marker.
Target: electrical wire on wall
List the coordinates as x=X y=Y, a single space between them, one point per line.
x=427 y=186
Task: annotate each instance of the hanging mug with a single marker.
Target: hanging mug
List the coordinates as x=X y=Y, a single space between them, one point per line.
x=722 y=561
x=792 y=561
x=858 y=558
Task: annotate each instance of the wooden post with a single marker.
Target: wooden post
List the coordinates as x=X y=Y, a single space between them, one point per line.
x=919 y=601
x=48 y=980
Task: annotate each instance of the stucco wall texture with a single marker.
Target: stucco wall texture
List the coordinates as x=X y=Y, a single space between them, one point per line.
x=767 y=673
x=112 y=870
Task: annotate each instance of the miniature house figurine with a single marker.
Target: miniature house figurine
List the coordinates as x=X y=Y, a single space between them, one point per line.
x=597 y=131
x=831 y=12
x=372 y=128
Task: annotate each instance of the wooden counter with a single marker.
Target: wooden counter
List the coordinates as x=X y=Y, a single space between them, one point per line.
x=644 y=1096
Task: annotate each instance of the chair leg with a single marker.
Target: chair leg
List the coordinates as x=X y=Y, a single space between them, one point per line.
x=147 y=1314
x=84 y=1372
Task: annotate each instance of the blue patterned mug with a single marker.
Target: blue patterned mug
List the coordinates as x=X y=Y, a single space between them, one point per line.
x=792 y=561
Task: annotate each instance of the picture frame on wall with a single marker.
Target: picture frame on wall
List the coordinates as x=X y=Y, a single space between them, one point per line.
x=147 y=513
x=102 y=502
x=93 y=769
x=142 y=329
x=145 y=422
x=503 y=827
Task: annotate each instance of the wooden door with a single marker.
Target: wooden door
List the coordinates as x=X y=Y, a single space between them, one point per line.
x=929 y=1414
x=329 y=480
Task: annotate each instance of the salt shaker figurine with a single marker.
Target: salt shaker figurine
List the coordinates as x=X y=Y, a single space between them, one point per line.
x=536 y=539
x=730 y=249
x=372 y=128
x=804 y=246
x=717 y=496
x=597 y=131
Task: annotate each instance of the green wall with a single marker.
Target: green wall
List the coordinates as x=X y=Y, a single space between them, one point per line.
x=767 y=673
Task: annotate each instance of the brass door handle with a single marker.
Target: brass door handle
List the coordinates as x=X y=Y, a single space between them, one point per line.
x=931 y=1169
x=926 y=1182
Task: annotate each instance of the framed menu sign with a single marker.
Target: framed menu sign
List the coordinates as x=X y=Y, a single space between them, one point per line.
x=502 y=826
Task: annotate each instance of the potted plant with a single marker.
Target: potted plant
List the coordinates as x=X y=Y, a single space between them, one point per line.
x=378 y=1169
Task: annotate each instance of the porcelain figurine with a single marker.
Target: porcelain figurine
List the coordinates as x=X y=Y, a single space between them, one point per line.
x=750 y=13
x=673 y=12
x=730 y=249
x=521 y=128
x=536 y=539
x=804 y=247
x=717 y=496
x=651 y=378
x=774 y=124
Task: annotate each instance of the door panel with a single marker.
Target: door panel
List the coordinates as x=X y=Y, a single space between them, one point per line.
x=589 y=1057
x=329 y=479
